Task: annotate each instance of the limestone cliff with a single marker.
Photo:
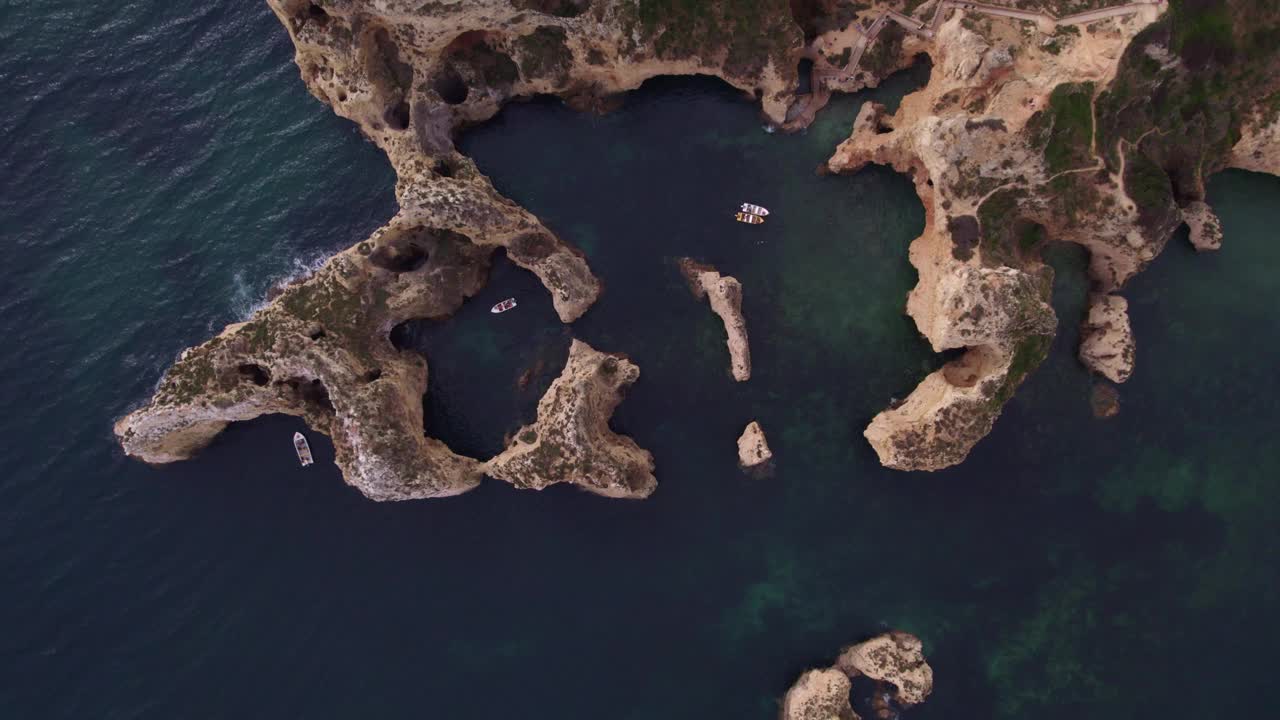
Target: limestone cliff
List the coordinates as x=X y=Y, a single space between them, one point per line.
x=1025 y=135
x=1204 y=226
x=725 y=295
x=1106 y=344
x=1096 y=128
x=410 y=75
x=321 y=351
x=571 y=441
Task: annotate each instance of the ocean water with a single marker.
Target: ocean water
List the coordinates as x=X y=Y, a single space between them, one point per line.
x=163 y=166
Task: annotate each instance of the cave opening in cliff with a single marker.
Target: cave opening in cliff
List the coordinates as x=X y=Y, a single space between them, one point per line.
x=450 y=86
x=254 y=373
x=317 y=15
x=400 y=255
x=558 y=8
x=804 y=72
x=388 y=54
x=397 y=116
x=473 y=57
x=312 y=393
x=445 y=167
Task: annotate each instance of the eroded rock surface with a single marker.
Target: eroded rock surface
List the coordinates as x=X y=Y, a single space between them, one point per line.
x=1258 y=148
x=321 y=352
x=893 y=659
x=1204 y=226
x=753 y=448
x=725 y=296
x=896 y=658
x=1106 y=344
x=1033 y=134
x=410 y=75
x=819 y=695
x=571 y=441
x=1096 y=131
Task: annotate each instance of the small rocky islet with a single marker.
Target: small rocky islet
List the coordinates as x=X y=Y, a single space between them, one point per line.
x=1085 y=122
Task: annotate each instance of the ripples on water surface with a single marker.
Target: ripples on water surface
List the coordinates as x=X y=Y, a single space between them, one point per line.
x=163 y=165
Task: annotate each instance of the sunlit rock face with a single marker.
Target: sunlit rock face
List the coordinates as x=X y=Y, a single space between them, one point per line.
x=571 y=441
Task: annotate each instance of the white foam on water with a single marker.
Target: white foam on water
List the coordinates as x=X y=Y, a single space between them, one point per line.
x=249 y=299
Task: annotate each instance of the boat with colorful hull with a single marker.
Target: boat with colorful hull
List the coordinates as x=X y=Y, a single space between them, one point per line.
x=748 y=218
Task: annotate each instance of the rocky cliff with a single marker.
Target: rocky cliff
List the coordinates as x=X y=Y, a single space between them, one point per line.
x=410 y=75
x=1034 y=129
x=571 y=442
x=1097 y=129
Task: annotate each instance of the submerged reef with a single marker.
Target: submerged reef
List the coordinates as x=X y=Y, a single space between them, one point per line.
x=1096 y=128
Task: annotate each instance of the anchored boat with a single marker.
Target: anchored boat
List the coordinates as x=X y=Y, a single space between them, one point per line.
x=303 y=448
x=503 y=306
x=748 y=218
x=755 y=209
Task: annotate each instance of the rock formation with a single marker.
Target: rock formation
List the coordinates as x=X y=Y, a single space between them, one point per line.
x=753 y=448
x=896 y=658
x=571 y=441
x=1106 y=345
x=1095 y=129
x=321 y=351
x=819 y=695
x=410 y=75
x=1030 y=134
x=1203 y=224
x=1258 y=148
x=725 y=295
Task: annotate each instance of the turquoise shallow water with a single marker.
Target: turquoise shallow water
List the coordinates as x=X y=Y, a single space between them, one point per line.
x=164 y=166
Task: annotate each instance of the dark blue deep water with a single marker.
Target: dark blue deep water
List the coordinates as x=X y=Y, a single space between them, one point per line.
x=161 y=165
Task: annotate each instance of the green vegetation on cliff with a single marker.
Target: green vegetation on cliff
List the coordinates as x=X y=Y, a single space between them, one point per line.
x=754 y=32
x=1183 y=89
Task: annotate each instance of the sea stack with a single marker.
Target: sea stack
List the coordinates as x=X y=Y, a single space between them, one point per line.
x=819 y=695
x=1106 y=345
x=753 y=448
x=895 y=657
x=725 y=296
x=571 y=441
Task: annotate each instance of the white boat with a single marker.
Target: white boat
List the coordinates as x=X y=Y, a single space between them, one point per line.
x=503 y=306
x=748 y=218
x=755 y=209
x=303 y=448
